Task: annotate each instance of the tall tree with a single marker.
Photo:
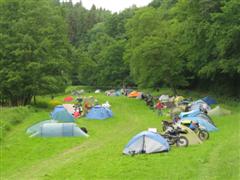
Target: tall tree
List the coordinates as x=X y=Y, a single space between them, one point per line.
x=34 y=49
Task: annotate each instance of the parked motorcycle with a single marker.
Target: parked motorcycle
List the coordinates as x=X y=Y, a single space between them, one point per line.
x=173 y=136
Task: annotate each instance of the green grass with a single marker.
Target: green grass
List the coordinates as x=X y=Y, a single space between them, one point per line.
x=100 y=155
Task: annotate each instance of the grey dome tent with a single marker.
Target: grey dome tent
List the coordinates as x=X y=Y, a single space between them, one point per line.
x=146 y=142
x=54 y=129
x=218 y=111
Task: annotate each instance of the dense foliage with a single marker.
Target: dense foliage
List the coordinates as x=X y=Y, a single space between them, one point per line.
x=177 y=43
x=34 y=49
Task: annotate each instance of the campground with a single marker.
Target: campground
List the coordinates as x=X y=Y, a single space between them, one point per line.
x=100 y=155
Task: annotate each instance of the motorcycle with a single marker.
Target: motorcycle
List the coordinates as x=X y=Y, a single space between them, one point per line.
x=173 y=136
x=167 y=124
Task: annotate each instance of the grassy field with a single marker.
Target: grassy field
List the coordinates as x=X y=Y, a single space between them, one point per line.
x=100 y=155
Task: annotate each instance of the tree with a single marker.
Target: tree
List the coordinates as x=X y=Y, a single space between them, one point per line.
x=33 y=50
x=153 y=51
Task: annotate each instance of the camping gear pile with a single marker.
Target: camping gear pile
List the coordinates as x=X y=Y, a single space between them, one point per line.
x=62 y=122
x=186 y=128
x=78 y=92
x=113 y=92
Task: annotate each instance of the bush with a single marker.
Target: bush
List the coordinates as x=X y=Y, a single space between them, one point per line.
x=54 y=103
x=41 y=105
x=10 y=117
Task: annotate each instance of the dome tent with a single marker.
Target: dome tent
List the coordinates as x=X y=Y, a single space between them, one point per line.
x=218 y=111
x=199 y=104
x=134 y=94
x=99 y=112
x=69 y=107
x=61 y=114
x=202 y=122
x=146 y=142
x=190 y=135
x=209 y=100
x=196 y=113
x=53 y=129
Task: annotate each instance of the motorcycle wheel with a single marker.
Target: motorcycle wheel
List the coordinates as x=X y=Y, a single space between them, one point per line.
x=182 y=142
x=203 y=135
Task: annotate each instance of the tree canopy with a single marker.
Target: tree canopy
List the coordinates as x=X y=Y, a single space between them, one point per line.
x=47 y=45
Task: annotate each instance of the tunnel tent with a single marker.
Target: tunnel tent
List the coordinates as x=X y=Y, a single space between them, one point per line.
x=35 y=128
x=53 y=129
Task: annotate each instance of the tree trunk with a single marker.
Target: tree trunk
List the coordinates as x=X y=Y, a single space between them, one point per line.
x=34 y=99
x=174 y=90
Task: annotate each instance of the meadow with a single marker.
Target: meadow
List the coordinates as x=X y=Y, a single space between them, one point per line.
x=100 y=155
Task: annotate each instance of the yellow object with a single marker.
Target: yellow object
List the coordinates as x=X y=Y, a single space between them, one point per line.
x=54 y=103
x=178 y=99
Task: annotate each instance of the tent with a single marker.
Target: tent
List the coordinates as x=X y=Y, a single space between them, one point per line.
x=206 y=117
x=164 y=98
x=68 y=99
x=97 y=91
x=202 y=122
x=134 y=94
x=196 y=113
x=218 y=111
x=200 y=104
x=118 y=93
x=99 y=112
x=34 y=128
x=69 y=107
x=209 y=100
x=61 y=114
x=53 y=129
x=146 y=142
x=140 y=95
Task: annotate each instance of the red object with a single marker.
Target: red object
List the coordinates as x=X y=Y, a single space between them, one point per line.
x=76 y=114
x=68 y=99
x=159 y=105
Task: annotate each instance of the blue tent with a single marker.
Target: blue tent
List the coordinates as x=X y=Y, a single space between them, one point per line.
x=99 y=112
x=202 y=122
x=146 y=142
x=61 y=114
x=209 y=100
x=191 y=113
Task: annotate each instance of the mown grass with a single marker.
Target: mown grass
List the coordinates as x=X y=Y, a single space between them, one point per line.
x=100 y=155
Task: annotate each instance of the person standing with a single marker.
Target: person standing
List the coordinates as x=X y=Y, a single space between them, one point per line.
x=159 y=106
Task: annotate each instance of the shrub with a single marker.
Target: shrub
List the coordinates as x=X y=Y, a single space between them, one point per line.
x=54 y=103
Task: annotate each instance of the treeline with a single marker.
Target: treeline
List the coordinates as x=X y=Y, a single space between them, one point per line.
x=47 y=45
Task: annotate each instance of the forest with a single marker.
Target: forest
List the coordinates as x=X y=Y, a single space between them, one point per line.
x=48 y=45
